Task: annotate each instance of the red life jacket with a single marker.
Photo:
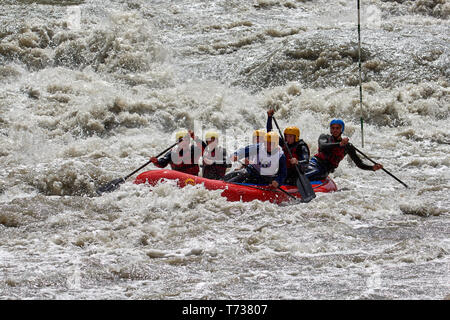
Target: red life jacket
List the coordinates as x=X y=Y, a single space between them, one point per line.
x=188 y=164
x=186 y=168
x=215 y=170
x=293 y=150
x=331 y=157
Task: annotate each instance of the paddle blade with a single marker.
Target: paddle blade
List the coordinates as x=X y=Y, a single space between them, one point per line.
x=111 y=186
x=305 y=189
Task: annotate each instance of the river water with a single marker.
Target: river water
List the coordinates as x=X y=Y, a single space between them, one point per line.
x=91 y=89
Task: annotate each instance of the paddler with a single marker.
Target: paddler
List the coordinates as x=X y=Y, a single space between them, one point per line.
x=215 y=162
x=257 y=137
x=270 y=162
x=185 y=156
x=299 y=150
x=332 y=149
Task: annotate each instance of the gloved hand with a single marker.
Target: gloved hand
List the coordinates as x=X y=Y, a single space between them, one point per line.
x=154 y=160
x=377 y=166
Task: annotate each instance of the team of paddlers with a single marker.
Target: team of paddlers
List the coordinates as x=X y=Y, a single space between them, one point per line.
x=267 y=160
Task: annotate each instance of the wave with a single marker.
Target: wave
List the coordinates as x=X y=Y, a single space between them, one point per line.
x=327 y=59
x=121 y=43
x=435 y=8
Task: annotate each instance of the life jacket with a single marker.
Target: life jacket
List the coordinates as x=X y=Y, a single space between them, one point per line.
x=268 y=164
x=293 y=148
x=186 y=162
x=217 y=169
x=186 y=168
x=331 y=157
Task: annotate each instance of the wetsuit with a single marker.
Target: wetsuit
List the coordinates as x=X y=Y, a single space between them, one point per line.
x=299 y=150
x=327 y=159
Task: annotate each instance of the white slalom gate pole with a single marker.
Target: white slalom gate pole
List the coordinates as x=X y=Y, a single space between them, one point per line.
x=360 y=85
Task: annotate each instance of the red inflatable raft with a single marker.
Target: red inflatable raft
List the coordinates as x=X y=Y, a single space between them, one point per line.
x=233 y=191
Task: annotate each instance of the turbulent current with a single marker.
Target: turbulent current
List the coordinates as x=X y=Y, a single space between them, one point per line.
x=91 y=89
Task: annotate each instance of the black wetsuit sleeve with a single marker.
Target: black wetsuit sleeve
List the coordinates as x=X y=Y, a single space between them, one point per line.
x=325 y=143
x=282 y=171
x=269 y=128
x=303 y=152
x=165 y=160
x=269 y=124
x=357 y=160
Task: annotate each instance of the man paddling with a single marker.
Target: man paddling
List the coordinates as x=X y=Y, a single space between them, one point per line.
x=299 y=150
x=184 y=157
x=214 y=158
x=332 y=149
x=270 y=165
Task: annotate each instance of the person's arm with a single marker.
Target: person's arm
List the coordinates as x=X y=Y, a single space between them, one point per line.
x=238 y=154
x=198 y=142
x=357 y=160
x=269 y=124
x=269 y=120
x=245 y=152
x=163 y=161
x=282 y=170
x=325 y=143
x=303 y=154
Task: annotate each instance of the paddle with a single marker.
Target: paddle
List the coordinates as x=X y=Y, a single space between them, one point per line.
x=304 y=186
x=256 y=171
x=113 y=185
x=381 y=168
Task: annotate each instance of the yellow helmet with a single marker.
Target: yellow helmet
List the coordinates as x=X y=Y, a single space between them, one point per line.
x=259 y=133
x=181 y=134
x=272 y=137
x=293 y=130
x=211 y=134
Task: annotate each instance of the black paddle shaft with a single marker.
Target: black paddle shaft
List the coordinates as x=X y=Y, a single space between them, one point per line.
x=303 y=184
x=148 y=162
x=113 y=185
x=381 y=168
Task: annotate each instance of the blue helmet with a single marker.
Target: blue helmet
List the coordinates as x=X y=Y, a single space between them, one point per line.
x=339 y=122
